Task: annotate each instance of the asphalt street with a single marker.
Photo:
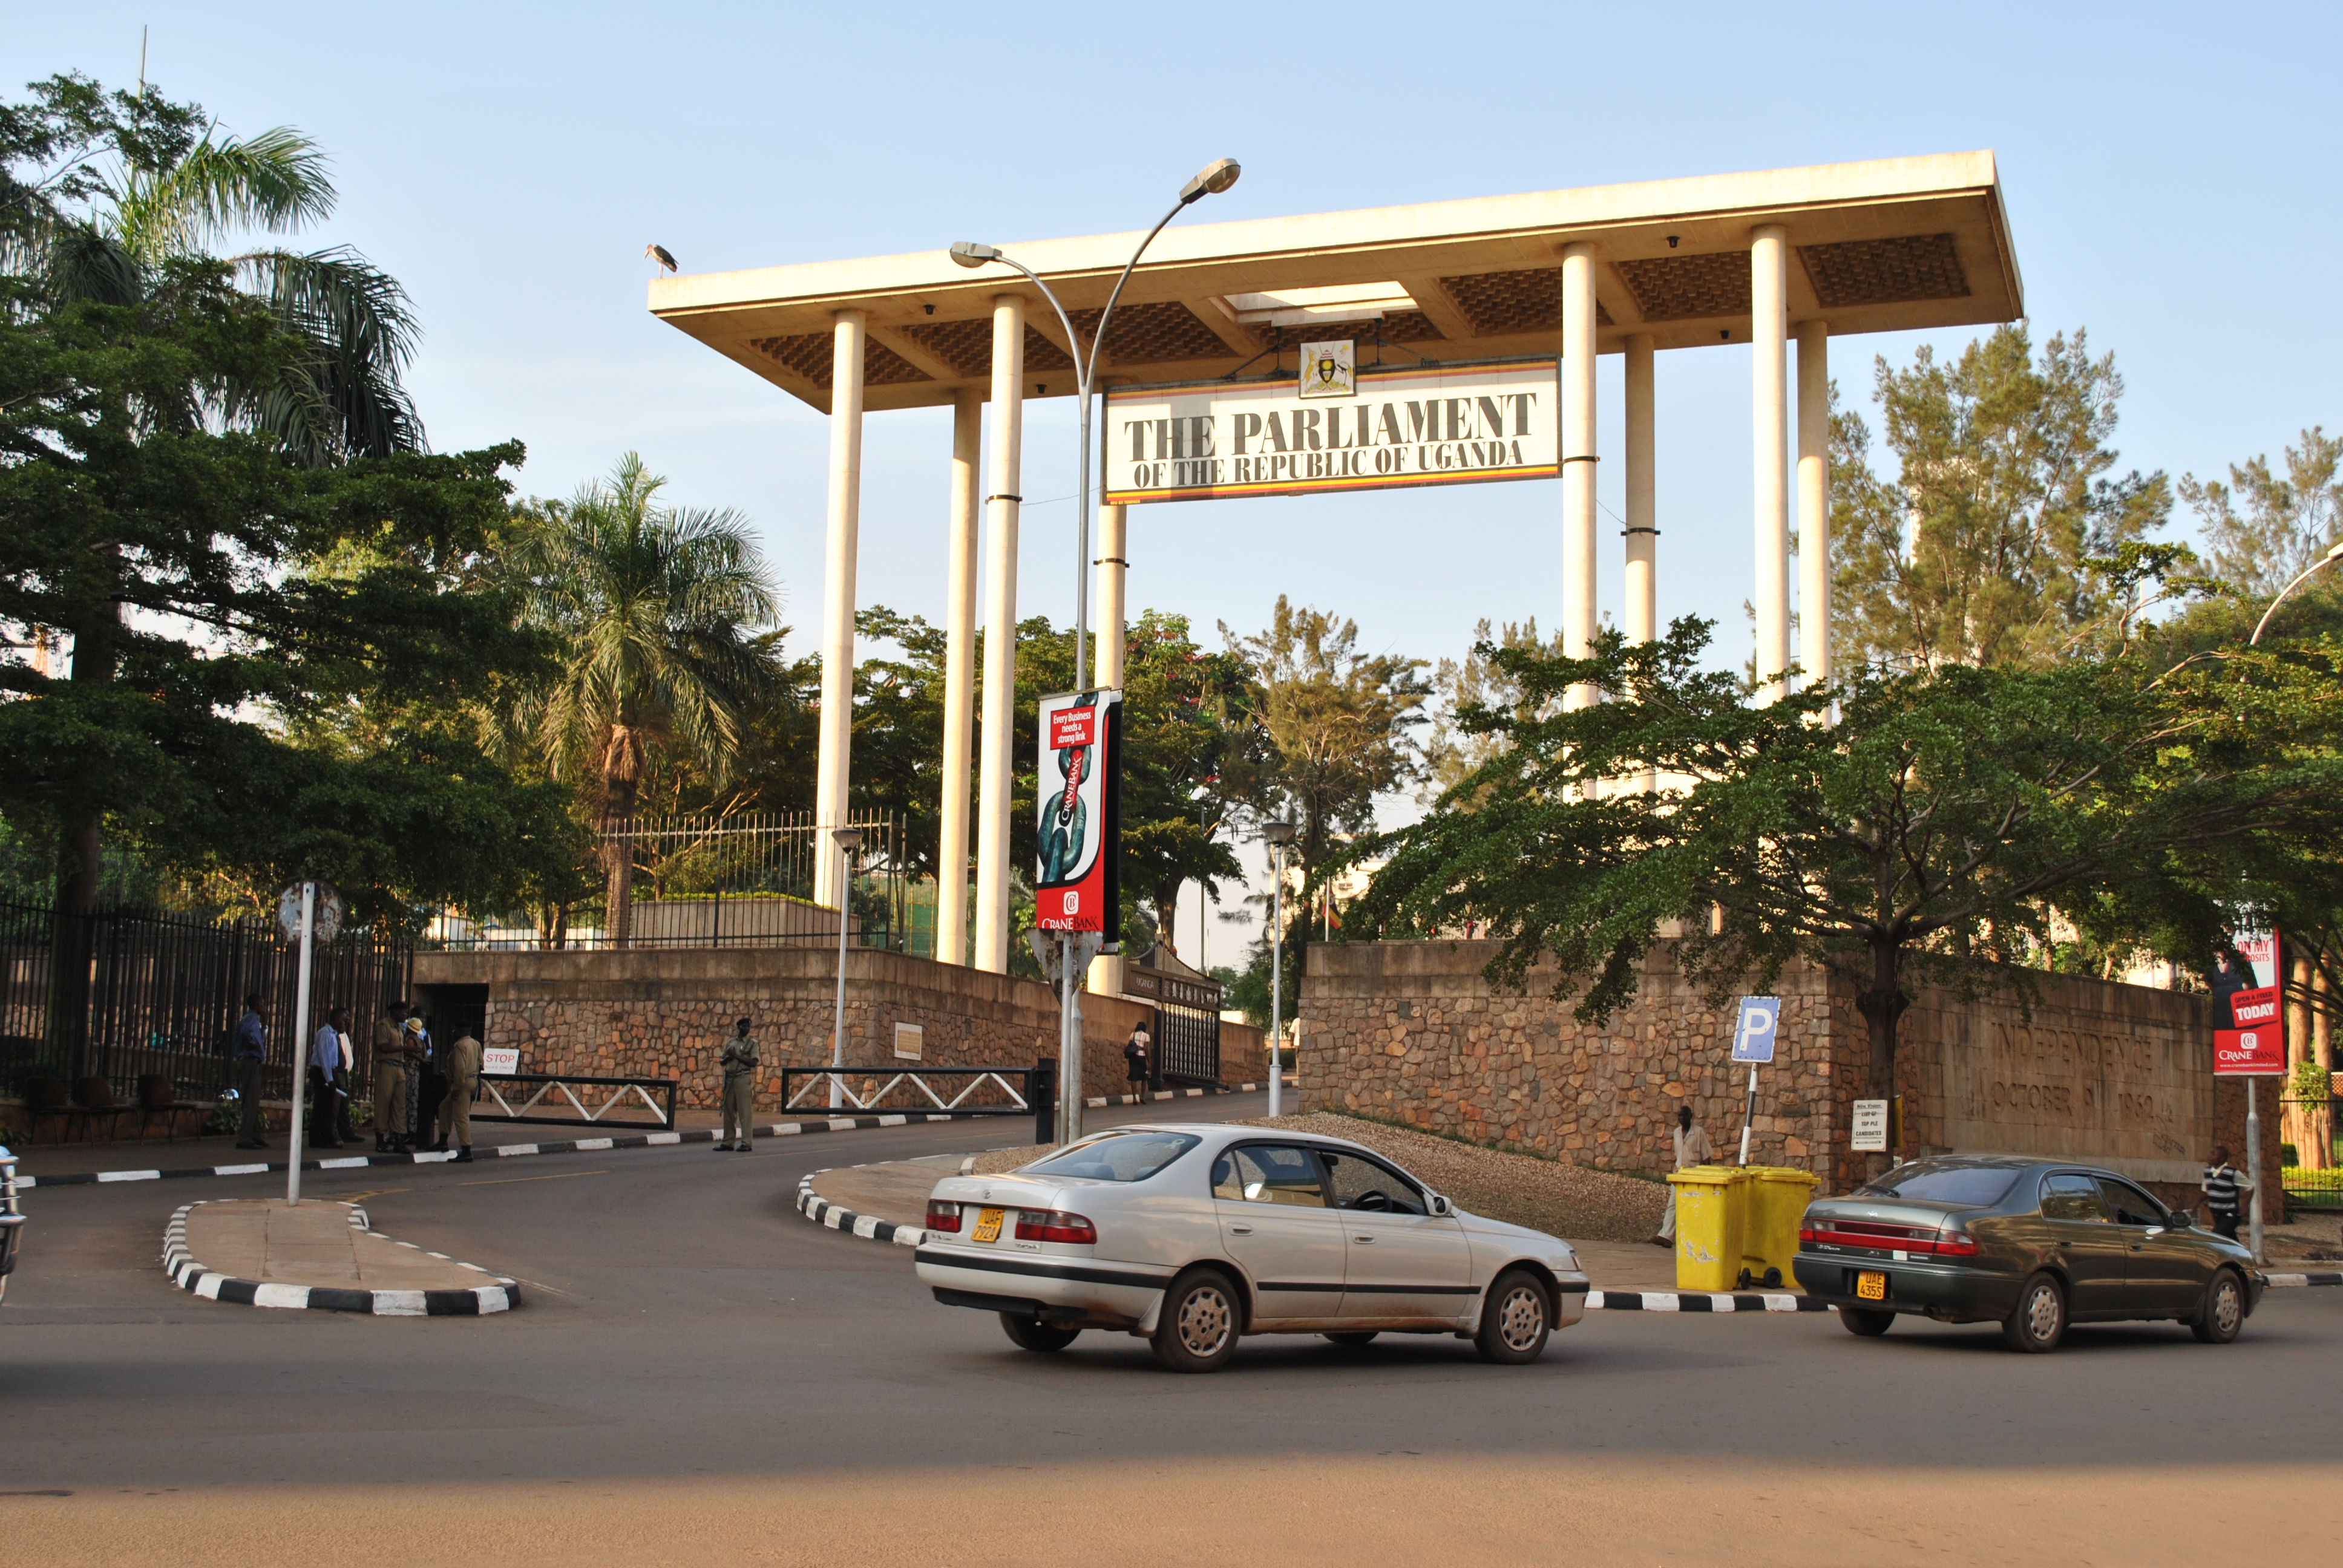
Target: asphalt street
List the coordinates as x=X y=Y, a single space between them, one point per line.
x=699 y=1370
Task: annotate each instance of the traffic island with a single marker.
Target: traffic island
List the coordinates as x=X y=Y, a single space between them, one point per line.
x=322 y=1257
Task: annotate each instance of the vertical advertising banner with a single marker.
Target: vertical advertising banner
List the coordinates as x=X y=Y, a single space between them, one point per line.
x=1078 y=882
x=2248 y=1024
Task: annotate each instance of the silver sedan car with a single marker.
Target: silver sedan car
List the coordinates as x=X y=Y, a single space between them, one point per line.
x=1192 y=1236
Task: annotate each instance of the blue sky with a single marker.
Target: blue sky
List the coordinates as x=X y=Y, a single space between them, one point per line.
x=2169 y=173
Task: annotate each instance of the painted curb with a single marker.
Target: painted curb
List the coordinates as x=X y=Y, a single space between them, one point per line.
x=846 y=1221
x=190 y=1276
x=1701 y=1301
x=482 y=1152
x=1102 y=1101
x=2279 y=1282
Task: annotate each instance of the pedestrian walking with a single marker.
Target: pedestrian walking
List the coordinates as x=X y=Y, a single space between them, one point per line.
x=1693 y=1148
x=1136 y=1052
x=345 y=1061
x=251 y=1061
x=390 y=1076
x=324 y=1061
x=739 y=1064
x=2222 y=1184
x=461 y=1067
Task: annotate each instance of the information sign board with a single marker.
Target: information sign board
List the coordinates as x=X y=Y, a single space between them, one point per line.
x=1077 y=884
x=500 y=1060
x=1870 y=1133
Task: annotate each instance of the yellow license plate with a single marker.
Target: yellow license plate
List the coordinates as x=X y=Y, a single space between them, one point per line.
x=1870 y=1287
x=988 y=1226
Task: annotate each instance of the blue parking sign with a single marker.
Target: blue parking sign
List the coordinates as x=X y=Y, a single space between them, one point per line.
x=1754 y=1029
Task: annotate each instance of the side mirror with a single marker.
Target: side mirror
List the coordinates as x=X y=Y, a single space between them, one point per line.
x=1440 y=1207
x=2177 y=1220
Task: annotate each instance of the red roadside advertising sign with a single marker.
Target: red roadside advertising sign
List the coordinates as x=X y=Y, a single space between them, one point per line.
x=2257 y=1047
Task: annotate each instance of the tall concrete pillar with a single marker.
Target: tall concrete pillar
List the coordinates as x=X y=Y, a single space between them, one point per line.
x=960 y=678
x=1769 y=310
x=1578 y=460
x=1111 y=567
x=996 y=762
x=1813 y=501
x=1642 y=611
x=832 y=760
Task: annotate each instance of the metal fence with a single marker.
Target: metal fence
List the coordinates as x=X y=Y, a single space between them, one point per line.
x=164 y=993
x=744 y=879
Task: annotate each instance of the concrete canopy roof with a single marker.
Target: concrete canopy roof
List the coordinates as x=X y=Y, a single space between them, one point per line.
x=1895 y=244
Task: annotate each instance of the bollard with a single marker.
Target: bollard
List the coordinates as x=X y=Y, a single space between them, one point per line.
x=1041 y=1094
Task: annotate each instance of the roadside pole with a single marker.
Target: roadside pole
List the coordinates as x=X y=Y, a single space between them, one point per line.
x=301 y=1035
x=2254 y=1174
x=1069 y=1037
x=1749 y=1113
x=1754 y=1029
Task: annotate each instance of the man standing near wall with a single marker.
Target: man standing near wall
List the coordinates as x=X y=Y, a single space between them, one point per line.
x=1692 y=1149
x=390 y=1128
x=739 y=1061
x=251 y=1060
x=461 y=1067
x=2222 y=1184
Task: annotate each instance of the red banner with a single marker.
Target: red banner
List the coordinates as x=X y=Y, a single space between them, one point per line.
x=2249 y=1053
x=2255 y=1009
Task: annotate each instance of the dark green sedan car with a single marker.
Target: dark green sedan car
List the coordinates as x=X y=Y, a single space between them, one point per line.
x=2030 y=1244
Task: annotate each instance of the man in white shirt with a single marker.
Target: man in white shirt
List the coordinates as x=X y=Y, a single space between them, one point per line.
x=1693 y=1148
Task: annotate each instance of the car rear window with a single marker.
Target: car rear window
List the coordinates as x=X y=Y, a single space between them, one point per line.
x=1973 y=1185
x=1117 y=1156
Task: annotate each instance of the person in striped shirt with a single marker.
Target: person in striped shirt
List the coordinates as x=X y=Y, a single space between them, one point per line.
x=2222 y=1184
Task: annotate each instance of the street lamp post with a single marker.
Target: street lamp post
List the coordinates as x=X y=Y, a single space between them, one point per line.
x=849 y=840
x=2253 y=1109
x=1279 y=834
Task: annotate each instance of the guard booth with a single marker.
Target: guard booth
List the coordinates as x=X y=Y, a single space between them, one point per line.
x=1187 y=1027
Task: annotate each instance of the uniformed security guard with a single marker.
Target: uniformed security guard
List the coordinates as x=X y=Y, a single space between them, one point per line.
x=739 y=1062
x=460 y=1062
x=415 y=1039
x=390 y=1125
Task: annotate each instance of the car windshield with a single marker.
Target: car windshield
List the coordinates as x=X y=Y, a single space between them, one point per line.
x=1976 y=1185
x=1116 y=1156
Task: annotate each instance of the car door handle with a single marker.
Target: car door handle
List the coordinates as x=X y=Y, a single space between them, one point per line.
x=1364 y=1240
x=1241 y=1230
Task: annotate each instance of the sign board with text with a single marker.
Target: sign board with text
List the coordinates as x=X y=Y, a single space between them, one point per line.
x=1077 y=884
x=2256 y=1047
x=500 y=1060
x=1754 y=1028
x=1870 y=1133
x=1385 y=426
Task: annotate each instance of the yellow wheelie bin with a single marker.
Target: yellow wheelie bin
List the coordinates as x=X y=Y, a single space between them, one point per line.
x=1709 y=1203
x=1776 y=1200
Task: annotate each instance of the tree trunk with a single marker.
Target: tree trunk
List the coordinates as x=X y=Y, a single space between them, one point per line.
x=2320 y=1154
x=1882 y=1005
x=2295 y=1119
x=618 y=871
x=1167 y=915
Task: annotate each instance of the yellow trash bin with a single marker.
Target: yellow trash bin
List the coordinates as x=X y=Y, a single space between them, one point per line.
x=1709 y=1202
x=1776 y=1200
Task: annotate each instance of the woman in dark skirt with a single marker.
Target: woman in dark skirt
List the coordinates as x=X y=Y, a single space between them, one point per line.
x=1135 y=1054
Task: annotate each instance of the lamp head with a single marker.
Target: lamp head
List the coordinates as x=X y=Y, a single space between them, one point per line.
x=1210 y=180
x=849 y=838
x=2335 y=552
x=968 y=252
x=1280 y=833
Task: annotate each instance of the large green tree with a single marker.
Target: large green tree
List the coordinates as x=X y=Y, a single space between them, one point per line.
x=1940 y=822
x=666 y=622
x=102 y=192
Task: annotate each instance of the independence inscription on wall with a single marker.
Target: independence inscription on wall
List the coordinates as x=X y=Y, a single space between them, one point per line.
x=1333 y=429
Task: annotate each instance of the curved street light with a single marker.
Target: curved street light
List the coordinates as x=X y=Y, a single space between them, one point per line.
x=2334 y=554
x=1210 y=180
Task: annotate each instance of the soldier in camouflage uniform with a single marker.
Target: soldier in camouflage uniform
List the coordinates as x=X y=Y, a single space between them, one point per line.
x=739 y=1062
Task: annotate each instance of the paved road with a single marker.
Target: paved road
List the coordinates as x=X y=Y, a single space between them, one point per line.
x=699 y=1370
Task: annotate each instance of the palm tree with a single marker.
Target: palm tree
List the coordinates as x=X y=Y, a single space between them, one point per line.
x=100 y=193
x=661 y=615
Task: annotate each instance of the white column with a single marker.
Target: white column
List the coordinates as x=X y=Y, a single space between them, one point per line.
x=1643 y=612
x=1769 y=427
x=1110 y=569
x=1578 y=460
x=1813 y=501
x=830 y=768
x=960 y=678
x=995 y=765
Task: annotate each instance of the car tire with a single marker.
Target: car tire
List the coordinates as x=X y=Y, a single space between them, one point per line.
x=1867 y=1321
x=1355 y=1341
x=2040 y=1319
x=1197 y=1330
x=2217 y=1322
x=1037 y=1333
x=1516 y=1316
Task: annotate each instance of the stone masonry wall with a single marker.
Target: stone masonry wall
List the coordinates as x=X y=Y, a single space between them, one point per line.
x=666 y=1012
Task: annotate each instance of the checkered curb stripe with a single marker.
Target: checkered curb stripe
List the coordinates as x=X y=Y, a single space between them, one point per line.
x=191 y=1276
x=1700 y=1301
x=846 y=1221
x=1102 y=1102
x=483 y=1150
x=2277 y=1280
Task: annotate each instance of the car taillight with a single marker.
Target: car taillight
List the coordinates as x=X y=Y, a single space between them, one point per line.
x=943 y=1216
x=1054 y=1225
x=1808 y=1233
x=1952 y=1243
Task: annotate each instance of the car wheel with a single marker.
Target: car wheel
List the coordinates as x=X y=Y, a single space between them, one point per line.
x=1037 y=1333
x=2217 y=1322
x=1865 y=1321
x=2040 y=1321
x=1197 y=1331
x=1353 y=1342
x=1515 y=1318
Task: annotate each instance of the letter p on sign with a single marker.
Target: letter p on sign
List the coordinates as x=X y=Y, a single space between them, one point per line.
x=1754 y=1028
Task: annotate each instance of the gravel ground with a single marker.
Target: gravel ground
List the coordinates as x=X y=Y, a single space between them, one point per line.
x=1561 y=1200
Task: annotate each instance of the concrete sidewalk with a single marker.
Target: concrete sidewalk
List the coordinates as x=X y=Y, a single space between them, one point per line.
x=318 y=1254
